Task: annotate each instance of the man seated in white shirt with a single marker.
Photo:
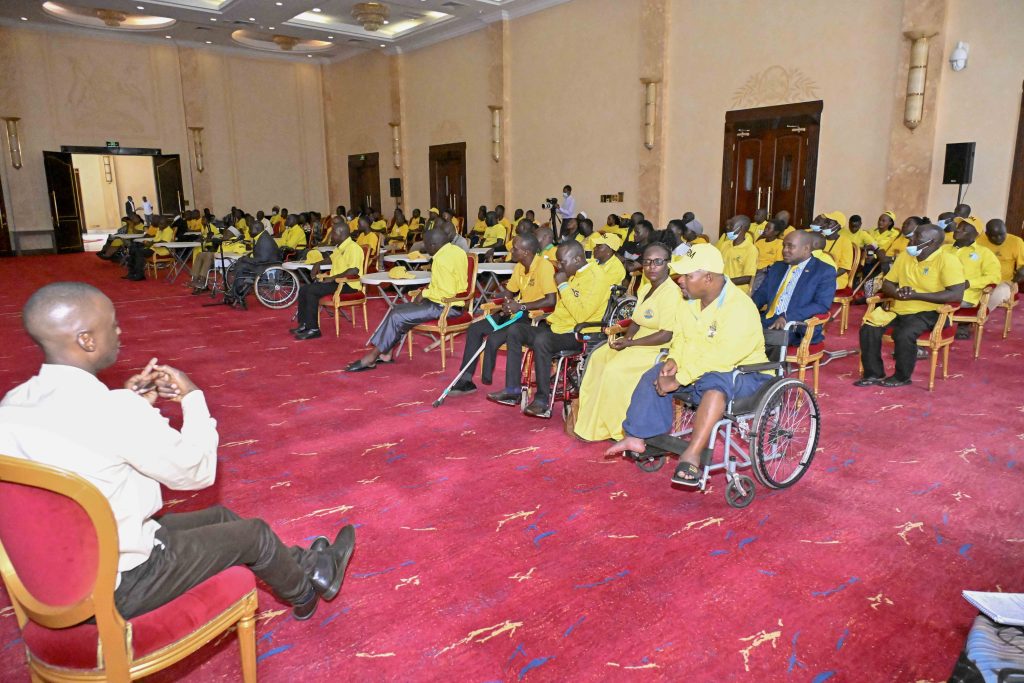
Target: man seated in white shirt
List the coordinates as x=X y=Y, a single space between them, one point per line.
x=53 y=419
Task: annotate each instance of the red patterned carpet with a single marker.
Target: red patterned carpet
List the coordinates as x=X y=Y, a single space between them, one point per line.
x=493 y=548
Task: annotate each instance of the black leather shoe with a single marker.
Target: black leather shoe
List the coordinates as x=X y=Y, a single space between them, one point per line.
x=304 y=610
x=891 y=382
x=538 y=408
x=312 y=333
x=504 y=398
x=329 y=571
x=462 y=388
x=301 y=328
x=320 y=543
x=867 y=382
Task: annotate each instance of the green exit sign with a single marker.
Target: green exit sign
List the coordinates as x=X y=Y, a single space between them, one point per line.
x=113 y=143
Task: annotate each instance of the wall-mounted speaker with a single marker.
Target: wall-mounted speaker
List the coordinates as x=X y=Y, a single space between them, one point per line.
x=959 y=167
x=396 y=186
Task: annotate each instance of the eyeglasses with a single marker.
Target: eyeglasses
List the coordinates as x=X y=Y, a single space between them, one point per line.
x=653 y=261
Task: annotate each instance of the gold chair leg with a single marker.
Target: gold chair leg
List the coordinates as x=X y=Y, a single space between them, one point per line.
x=844 y=322
x=337 y=322
x=443 y=352
x=366 y=320
x=247 y=645
x=817 y=365
x=945 y=361
x=933 y=358
x=978 y=331
x=1007 y=322
x=408 y=337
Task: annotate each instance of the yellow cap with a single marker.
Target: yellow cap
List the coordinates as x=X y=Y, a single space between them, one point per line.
x=433 y=209
x=609 y=238
x=700 y=257
x=414 y=255
x=976 y=222
x=839 y=217
x=891 y=215
x=399 y=273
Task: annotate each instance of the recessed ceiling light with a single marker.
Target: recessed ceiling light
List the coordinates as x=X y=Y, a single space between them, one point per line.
x=383 y=45
x=309 y=56
x=213 y=19
x=278 y=3
x=24 y=18
x=168 y=37
x=139 y=7
x=386 y=22
x=330 y=37
x=252 y=18
x=317 y=10
x=209 y=42
x=271 y=28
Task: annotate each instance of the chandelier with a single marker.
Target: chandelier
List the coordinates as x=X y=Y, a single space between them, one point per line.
x=110 y=17
x=285 y=42
x=371 y=15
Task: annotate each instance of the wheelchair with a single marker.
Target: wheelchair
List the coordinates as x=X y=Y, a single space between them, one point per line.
x=274 y=286
x=774 y=432
x=569 y=366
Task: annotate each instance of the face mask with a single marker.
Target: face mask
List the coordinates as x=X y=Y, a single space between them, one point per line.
x=943 y=222
x=565 y=194
x=731 y=236
x=815 y=228
x=828 y=233
x=916 y=249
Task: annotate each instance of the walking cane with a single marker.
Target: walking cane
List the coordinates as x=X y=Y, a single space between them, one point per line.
x=494 y=328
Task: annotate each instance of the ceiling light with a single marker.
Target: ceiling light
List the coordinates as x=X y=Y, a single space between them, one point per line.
x=317 y=10
x=213 y=19
x=310 y=56
x=168 y=37
x=24 y=18
x=330 y=37
x=139 y=7
x=209 y=42
x=252 y=18
x=278 y=3
x=371 y=15
x=271 y=28
x=383 y=45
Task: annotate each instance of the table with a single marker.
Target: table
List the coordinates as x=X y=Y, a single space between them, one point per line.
x=492 y=285
x=481 y=252
x=181 y=251
x=404 y=258
x=326 y=248
x=379 y=279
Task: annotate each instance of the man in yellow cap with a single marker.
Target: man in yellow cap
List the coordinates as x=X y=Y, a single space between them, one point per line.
x=981 y=269
x=605 y=258
x=1009 y=251
x=923 y=278
x=718 y=330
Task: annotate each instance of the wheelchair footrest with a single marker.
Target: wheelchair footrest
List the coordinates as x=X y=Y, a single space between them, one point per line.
x=673 y=444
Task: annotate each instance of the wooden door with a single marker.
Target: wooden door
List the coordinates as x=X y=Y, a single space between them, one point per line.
x=364 y=181
x=448 y=178
x=770 y=161
x=167 y=173
x=64 y=203
x=5 y=229
x=1015 y=203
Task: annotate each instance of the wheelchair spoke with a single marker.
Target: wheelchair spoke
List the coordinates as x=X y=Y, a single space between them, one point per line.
x=786 y=435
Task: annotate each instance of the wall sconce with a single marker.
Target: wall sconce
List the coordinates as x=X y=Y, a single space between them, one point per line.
x=650 y=110
x=495 y=132
x=396 y=144
x=958 y=57
x=197 y=146
x=13 y=141
x=917 y=77
x=108 y=173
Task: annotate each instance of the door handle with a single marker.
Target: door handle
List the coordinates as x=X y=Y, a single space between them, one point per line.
x=180 y=208
x=56 y=212
x=758 y=197
x=769 y=200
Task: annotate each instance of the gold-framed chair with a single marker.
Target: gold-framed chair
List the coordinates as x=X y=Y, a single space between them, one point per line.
x=59 y=562
x=447 y=327
x=342 y=299
x=975 y=316
x=844 y=297
x=156 y=261
x=936 y=340
x=1008 y=306
x=805 y=354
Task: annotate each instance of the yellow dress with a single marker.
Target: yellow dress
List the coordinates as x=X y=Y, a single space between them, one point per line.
x=612 y=375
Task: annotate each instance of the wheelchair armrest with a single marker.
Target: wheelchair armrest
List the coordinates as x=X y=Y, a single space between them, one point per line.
x=597 y=325
x=758 y=367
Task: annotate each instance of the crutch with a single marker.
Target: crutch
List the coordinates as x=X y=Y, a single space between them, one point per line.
x=835 y=355
x=494 y=328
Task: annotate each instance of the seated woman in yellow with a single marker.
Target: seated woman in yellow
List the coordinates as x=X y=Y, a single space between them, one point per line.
x=367 y=237
x=612 y=227
x=399 y=233
x=615 y=368
x=496 y=234
x=379 y=225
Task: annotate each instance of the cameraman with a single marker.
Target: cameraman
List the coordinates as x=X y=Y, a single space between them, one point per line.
x=567 y=207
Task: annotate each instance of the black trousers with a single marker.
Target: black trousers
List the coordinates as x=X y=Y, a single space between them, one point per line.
x=137 y=255
x=495 y=338
x=309 y=299
x=198 y=545
x=545 y=345
x=905 y=331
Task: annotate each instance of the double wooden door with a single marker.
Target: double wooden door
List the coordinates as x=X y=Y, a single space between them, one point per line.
x=771 y=161
x=448 y=177
x=65 y=204
x=5 y=229
x=167 y=174
x=364 y=182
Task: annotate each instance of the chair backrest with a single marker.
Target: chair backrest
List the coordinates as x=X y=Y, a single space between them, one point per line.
x=58 y=546
x=366 y=258
x=466 y=295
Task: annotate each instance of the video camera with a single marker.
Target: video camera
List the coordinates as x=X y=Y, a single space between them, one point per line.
x=549 y=203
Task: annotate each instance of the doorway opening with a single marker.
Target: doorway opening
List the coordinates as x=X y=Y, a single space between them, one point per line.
x=448 y=178
x=106 y=181
x=771 y=161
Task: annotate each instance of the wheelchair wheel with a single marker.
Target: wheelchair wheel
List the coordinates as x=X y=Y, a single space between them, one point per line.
x=623 y=309
x=740 y=492
x=648 y=463
x=276 y=287
x=785 y=434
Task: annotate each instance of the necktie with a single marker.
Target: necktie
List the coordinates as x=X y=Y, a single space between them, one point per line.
x=774 y=309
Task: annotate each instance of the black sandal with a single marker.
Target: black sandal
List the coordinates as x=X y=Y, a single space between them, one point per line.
x=357 y=366
x=687 y=469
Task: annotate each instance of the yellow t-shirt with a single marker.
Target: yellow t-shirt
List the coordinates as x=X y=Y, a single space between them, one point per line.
x=507 y=223
x=550 y=254
x=480 y=227
x=379 y=226
x=897 y=246
x=493 y=234
x=613 y=230
x=588 y=241
x=533 y=284
x=449 y=273
x=348 y=255
x=841 y=251
x=740 y=261
x=724 y=335
x=399 y=232
x=1010 y=255
x=757 y=229
x=768 y=252
x=981 y=269
x=937 y=272
x=862 y=238
x=163 y=235
x=657 y=310
x=612 y=271
x=824 y=258
x=277 y=223
x=293 y=238
x=884 y=238
x=581 y=299
x=369 y=239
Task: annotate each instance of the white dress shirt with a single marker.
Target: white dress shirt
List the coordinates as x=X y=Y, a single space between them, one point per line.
x=116 y=440
x=567 y=207
x=147 y=207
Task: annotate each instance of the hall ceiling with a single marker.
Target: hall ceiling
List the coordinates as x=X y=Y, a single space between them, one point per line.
x=314 y=28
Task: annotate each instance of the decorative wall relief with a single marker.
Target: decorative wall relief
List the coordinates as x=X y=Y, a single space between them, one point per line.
x=775 y=85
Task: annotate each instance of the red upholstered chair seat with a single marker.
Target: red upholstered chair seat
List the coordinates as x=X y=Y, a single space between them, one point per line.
x=846 y=291
x=75 y=647
x=352 y=296
x=811 y=350
x=966 y=312
x=948 y=332
x=460 y=319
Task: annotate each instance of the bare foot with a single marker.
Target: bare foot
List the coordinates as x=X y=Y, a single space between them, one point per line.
x=630 y=443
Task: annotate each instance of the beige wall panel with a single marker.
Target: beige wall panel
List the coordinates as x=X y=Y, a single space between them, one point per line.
x=840 y=51
x=980 y=104
x=576 y=105
x=134 y=176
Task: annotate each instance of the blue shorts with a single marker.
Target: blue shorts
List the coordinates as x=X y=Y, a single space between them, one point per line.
x=651 y=415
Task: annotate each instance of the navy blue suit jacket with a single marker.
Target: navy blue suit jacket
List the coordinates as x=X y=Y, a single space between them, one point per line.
x=813 y=295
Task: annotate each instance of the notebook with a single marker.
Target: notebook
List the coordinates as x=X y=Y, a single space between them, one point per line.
x=1003 y=608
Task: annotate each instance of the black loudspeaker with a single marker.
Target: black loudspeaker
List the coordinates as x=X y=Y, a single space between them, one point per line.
x=396 y=186
x=959 y=168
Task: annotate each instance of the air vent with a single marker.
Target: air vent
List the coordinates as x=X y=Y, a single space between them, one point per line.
x=202 y=28
x=452 y=5
x=242 y=23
